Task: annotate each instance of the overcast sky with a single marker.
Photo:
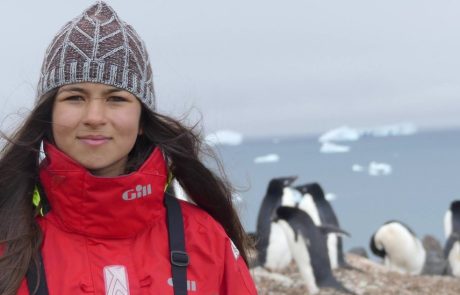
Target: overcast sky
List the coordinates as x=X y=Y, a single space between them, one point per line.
x=269 y=67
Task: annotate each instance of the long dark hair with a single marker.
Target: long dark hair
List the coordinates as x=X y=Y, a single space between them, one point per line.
x=20 y=235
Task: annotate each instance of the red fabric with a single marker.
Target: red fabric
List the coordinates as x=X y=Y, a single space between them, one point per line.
x=90 y=227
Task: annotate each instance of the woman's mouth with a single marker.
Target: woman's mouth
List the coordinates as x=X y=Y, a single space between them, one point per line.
x=94 y=140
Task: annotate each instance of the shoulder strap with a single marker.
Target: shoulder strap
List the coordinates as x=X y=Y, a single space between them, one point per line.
x=179 y=258
x=32 y=278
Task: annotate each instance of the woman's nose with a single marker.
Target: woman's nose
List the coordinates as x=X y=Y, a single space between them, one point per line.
x=95 y=114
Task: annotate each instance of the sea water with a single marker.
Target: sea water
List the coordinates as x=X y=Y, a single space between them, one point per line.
x=370 y=180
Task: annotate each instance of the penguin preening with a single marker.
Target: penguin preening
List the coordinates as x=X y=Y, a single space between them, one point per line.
x=320 y=210
x=399 y=247
x=452 y=232
x=271 y=243
x=307 y=244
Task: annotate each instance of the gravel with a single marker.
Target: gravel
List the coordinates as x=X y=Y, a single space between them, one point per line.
x=370 y=279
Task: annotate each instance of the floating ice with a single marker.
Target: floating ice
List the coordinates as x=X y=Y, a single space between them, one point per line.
x=224 y=137
x=331 y=197
x=393 y=130
x=270 y=158
x=377 y=169
x=357 y=168
x=329 y=148
x=343 y=133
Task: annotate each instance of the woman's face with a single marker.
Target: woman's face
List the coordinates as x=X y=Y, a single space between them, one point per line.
x=96 y=125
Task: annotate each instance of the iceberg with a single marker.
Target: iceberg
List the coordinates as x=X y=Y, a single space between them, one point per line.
x=402 y=129
x=270 y=158
x=343 y=133
x=224 y=137
x=377 y=169
x=357 y=168
x=330 y=148
x=331 y=197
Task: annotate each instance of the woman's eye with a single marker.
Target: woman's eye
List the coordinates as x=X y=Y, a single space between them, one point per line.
x=74 y=98
x=117 y=99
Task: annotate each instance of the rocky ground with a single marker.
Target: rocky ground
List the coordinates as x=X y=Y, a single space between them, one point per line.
x=373 y=279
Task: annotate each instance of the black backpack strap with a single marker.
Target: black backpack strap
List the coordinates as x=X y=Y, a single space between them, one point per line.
x=32 y=278
x=179 y=258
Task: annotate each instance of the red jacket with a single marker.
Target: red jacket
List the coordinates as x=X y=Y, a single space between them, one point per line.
x=105 y=235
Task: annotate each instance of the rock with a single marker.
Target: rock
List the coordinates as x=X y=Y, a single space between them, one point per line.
x=435 y=263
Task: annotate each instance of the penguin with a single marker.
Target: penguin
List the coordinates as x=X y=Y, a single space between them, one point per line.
x=307 y=243
x=452 y=232
x=399 y=247
x=452 y=219
x=271 y=244
x=321 y=211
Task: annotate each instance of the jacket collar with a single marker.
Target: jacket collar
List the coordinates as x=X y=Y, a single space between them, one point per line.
x=110 y=207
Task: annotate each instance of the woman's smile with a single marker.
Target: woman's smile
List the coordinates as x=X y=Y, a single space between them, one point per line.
x=94 y=140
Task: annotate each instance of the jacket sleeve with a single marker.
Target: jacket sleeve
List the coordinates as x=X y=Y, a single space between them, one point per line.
x=236 y=278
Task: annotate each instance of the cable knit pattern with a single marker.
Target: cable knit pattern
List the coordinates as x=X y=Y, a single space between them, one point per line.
x=97 y=46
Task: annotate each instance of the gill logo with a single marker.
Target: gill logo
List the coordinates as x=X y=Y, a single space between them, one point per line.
x=139 y=192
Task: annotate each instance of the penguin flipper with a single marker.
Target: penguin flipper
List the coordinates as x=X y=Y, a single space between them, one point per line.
x=454 y=237
x=328 y=228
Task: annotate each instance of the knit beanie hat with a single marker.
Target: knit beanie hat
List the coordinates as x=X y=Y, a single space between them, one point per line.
x=97 y=46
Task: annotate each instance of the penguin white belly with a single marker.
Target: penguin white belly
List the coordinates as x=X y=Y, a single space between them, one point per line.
x=332 y=241
x=448 y=224
x=308 y=205
x=454 y=259
x=291 y=197
x=301 y=256
x=278 y=254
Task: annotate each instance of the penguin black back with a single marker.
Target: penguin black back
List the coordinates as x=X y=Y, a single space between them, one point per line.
x=272 y=200
x=455 y=209
x=325 y=210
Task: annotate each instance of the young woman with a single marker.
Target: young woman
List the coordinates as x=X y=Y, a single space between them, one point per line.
x=93 y=217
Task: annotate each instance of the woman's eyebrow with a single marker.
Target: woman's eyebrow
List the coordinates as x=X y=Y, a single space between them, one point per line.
x=72 y=89
x=84 y=91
